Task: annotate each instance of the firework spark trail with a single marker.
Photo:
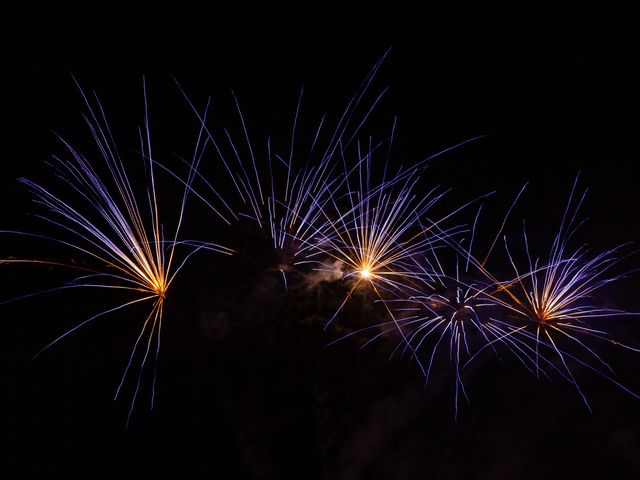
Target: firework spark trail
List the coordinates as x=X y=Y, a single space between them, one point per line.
x=107 y=225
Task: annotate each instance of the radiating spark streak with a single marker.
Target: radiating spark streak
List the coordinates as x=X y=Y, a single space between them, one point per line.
x=568 y=370
x=293 y=136
x=506 y=338
x=246 y=135
x=38 y=293
x=524 y=342
x=473 y=234
x=84 y=322
x=157 y=319
x=155 y=363
x=135 y=348
x=504 y=222
x=404 y=337
x=582 y=344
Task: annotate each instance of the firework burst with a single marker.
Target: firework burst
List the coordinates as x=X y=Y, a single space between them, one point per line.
x=376 y=238
x=550 y=304
x=123 y=243
x=451 y=315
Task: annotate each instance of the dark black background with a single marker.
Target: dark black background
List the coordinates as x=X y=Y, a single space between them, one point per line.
x=556 y=93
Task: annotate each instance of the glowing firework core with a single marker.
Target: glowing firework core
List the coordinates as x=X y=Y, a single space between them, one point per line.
x=365 y=273
x=161 y=290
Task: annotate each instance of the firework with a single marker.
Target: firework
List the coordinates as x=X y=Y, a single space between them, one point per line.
x=452 y=318
x=550 y=307
x=452 y=314
x=375 y=239
x=328 y=208
x=123 y=243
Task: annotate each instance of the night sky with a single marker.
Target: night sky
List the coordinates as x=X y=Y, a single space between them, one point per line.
x=248 y=387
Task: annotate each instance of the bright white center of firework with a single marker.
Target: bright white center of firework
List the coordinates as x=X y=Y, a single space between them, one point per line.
x=365 y=273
